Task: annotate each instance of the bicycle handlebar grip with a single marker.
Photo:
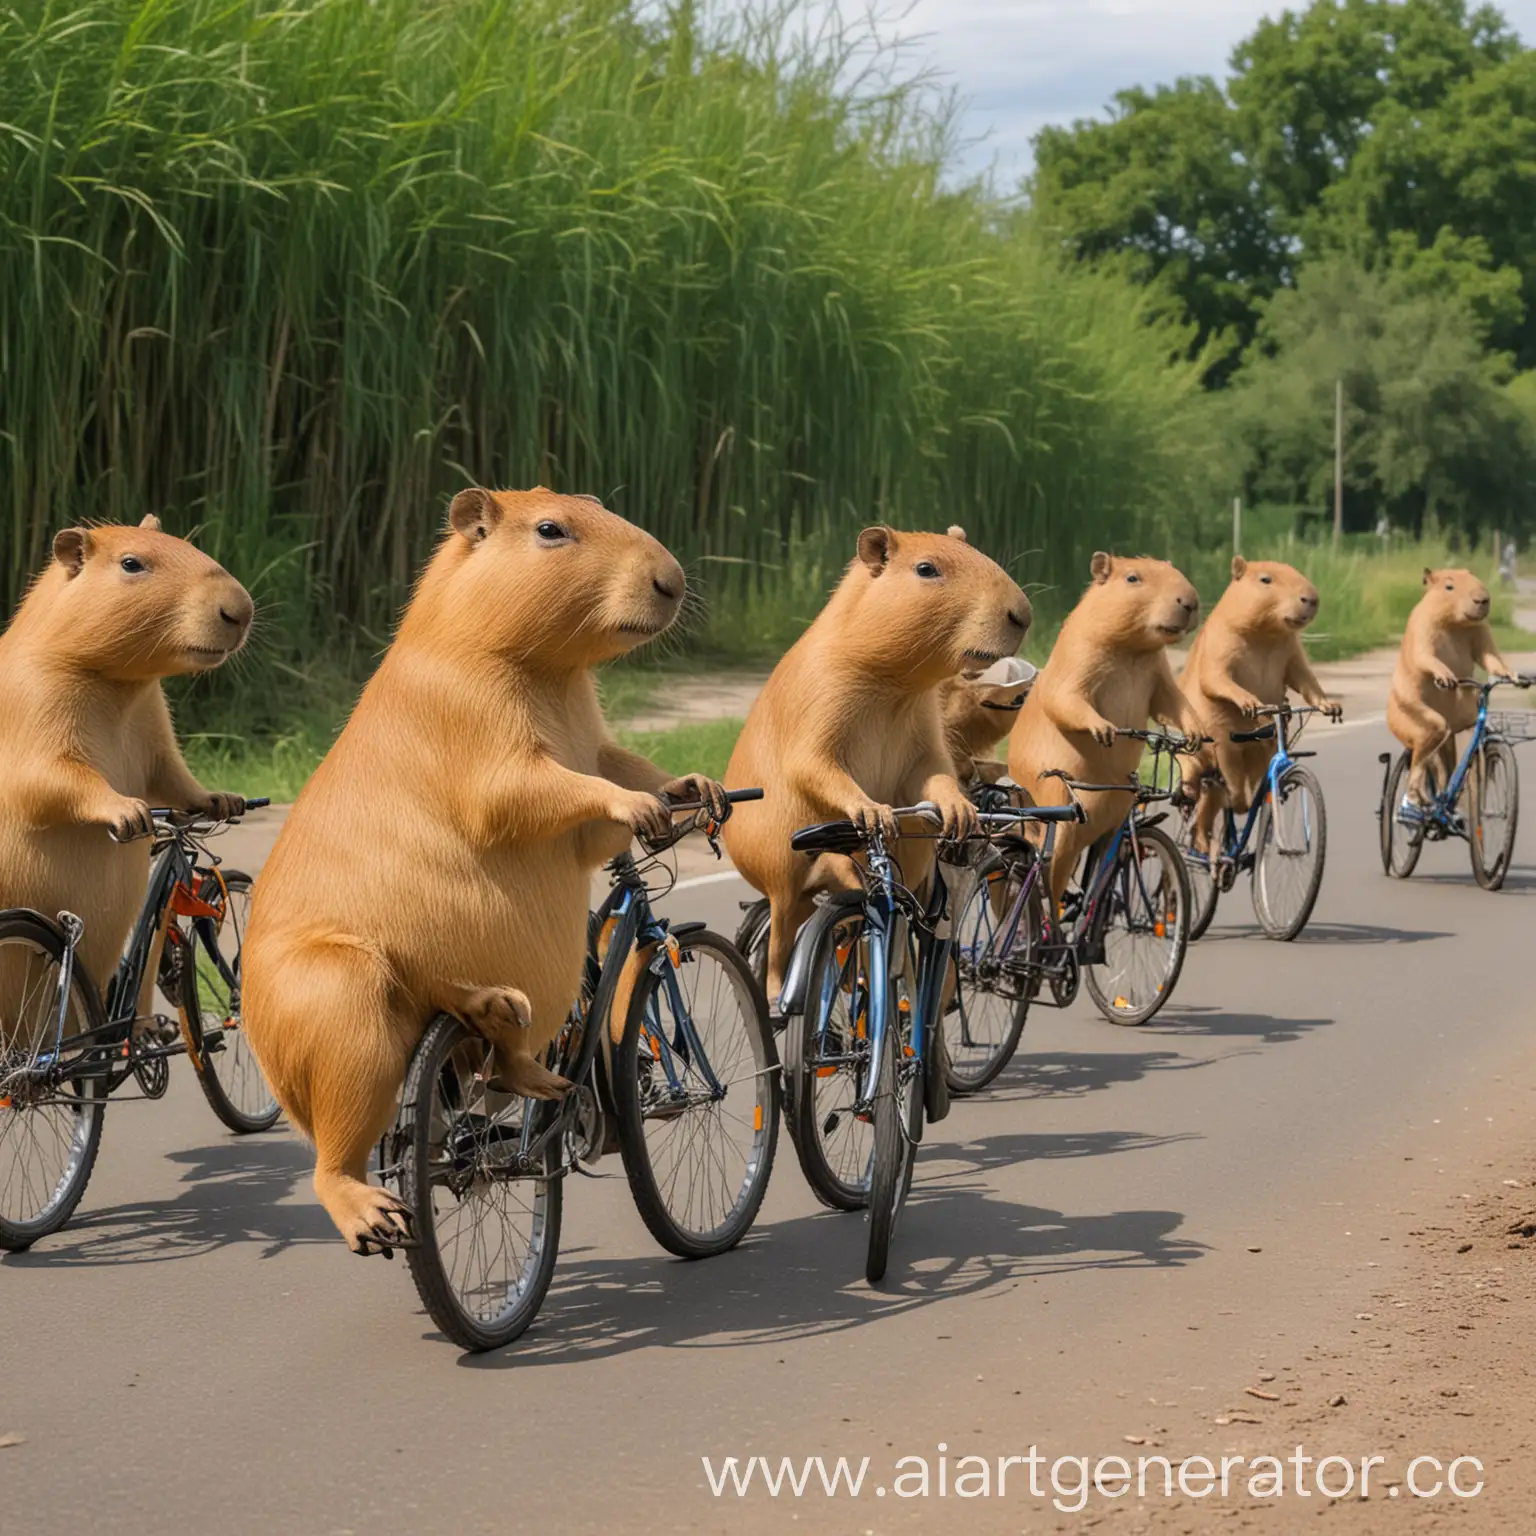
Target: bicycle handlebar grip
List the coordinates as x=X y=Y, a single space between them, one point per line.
x=261 y=802
x=738 y=796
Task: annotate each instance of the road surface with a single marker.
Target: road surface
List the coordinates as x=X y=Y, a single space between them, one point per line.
x=1106 y=1245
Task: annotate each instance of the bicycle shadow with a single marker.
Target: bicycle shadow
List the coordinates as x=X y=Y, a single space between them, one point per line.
x=1262 y=1028
x=1071 y=1074
x=1518 y=882
x=1333 y=933
x=231 y=1196
x=983 y=1154
x=796 y=1278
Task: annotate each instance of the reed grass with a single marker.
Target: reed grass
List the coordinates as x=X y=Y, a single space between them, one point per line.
x=289 y=274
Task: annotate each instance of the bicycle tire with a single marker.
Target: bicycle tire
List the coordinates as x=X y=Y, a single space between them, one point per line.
x=1401 y=844
x=434 y=1152
x=752 y=941
x=21 y=934
x=1496 y=762
x=1204 y=892
x=819 y=1099
x=967 y=1069
x=1114 y=1005
x=1277 y=923
x=232 y=1073
x=641 y=1089
x=898 y=1123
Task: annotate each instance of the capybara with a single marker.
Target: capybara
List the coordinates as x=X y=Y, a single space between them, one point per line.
x=849 y=725
x=440 y=859
x=88 y=746
x=1109 y=668
x=979 y=709
x=1446 y=637
x=1248 y=654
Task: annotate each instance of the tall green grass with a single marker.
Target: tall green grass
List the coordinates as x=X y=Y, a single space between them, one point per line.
x=289 y=274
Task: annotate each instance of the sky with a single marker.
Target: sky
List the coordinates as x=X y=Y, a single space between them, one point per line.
x=1021 y=64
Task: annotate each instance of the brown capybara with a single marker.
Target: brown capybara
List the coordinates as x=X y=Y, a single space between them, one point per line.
x=1247 y=655
x=848 y=725
x=1109 y=668
x=440 y=859
x=88 y=746
x=1446 y=638
x=979 y=709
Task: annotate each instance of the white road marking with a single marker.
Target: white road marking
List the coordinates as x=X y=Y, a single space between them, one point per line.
x=718 y=878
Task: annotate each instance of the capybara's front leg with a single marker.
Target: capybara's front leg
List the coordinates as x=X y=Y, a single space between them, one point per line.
x=503 y=1016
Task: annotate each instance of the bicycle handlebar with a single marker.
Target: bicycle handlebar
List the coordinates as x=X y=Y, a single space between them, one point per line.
x=655 y=845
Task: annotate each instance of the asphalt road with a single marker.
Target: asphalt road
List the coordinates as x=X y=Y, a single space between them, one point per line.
x=197 y=1352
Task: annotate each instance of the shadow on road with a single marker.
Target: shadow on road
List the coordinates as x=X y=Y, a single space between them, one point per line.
x=1518 y=882
x=799 y=1278
x=1070 y=1074
x=1260 y=1027
x=1009 y=1150
x=1336 y=933
x=231 y=1196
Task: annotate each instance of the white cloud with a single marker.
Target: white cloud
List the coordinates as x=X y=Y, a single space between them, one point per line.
x=1021 y=64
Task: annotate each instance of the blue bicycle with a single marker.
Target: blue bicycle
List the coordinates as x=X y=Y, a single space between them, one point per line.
x=1480 y=802
x=864 y=996
x=1282 y=842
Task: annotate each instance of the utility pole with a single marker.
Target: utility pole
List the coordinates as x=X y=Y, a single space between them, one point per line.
x=1338 y=461
x=1237 y=525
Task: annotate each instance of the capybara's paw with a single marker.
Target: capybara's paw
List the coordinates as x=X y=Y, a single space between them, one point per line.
x=641 y=813
x=493 y=1010
x=695 y=786
x=370 y=1219
x=523 y=1077
x=957 y=812
x=221 y=806
x=866 y=815
x=128 y=818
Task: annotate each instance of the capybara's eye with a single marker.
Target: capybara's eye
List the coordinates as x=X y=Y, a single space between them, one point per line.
x=132 y=564
x=1450 y=586
x=927 y=570
x=551 y=533
x=1133 y=580
x=1266 y=580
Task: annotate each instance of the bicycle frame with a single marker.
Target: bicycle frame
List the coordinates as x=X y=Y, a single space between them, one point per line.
x=1235 y=846
x=886 y=917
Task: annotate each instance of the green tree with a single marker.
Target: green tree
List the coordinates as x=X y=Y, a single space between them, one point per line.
x=1433 y=437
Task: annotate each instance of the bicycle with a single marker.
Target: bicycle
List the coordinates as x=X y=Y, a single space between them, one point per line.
x=69 y=1048
x=1488 y=776
x=483 y=1172
x=1287 y=828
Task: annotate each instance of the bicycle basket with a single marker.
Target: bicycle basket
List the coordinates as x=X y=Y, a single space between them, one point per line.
x=1513 y=724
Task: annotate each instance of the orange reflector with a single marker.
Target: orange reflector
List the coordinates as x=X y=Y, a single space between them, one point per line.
x=5 y=1103
x=826 y=1071
x=1121 y=1002
x=185 y=904
x=1159 y=930
x=757 y=1118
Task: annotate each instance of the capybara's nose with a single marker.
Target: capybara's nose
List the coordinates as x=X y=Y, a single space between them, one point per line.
x=237 y=611
x=671 y=591
x=1019 y=620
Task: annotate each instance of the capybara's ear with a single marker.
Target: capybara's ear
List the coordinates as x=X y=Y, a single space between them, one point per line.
x=1100 y=565
x=1239 y=565
x=150 y=521
x=1429 y=575
x=876 y=546
x=70 y=548
x=955 y=531
x=473 y=513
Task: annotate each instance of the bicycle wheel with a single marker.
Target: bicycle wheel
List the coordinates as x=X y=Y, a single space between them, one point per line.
x=50 y=1123
x=1494 y=805
x=898 y=1126
x=752 y=942
x=207 y=973
x=698 y=1111
x=1401 y=842
x=487 y=1240
x=1291 y=846
x=996 y=942
x=1144 y=928
x=828 y=1054
x=1203 y=889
